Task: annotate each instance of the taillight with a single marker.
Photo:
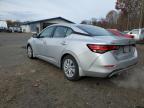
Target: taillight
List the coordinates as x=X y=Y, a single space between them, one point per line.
x=102 y=48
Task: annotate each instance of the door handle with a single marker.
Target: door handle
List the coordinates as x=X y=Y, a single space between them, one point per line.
x=64 y=43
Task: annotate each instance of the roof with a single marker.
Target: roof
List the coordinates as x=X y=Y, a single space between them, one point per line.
x=31 y=22
x=73 y=26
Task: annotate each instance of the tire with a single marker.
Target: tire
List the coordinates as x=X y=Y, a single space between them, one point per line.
x=70 y=68
x=30 y=52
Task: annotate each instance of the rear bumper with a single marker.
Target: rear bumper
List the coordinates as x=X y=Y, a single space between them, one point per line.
x=120 y=70
x=99 y=69
x=108 y=72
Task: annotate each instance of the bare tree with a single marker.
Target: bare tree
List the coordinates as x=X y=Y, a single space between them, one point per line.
x=133 y=10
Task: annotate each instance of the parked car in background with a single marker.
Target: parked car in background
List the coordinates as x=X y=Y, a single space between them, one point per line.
x=83 y=50
x=16 y=29
x=138 y=34
x=3 y=29
x=11 y=29
x=118 y=33
x=8 y=30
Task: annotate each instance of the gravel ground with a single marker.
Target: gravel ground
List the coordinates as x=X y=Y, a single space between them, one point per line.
x=26 y=83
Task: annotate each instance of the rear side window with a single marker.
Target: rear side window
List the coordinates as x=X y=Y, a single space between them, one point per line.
x=60 y=32
x=69 y=32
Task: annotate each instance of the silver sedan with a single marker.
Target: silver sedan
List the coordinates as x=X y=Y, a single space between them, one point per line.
x=83 y=50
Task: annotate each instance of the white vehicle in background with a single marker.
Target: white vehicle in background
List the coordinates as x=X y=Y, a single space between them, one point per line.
x=15 y=29
x=138 y=34
x=3 y=26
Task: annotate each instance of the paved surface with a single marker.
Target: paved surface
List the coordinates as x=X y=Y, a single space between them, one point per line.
x=26 y=83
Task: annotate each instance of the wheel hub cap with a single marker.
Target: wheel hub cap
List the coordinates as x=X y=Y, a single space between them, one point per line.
x=69 y=68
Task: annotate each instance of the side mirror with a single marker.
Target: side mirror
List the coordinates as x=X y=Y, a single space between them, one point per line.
x=35 y=35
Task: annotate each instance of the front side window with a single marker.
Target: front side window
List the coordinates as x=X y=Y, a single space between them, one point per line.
x=60 y=32
x=47 y=32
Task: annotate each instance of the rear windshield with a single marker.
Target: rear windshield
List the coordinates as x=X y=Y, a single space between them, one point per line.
x=136 y=31
x=94 y=31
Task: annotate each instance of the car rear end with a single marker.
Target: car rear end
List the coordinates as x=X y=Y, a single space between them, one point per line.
x=105 y=55
x=111 y=58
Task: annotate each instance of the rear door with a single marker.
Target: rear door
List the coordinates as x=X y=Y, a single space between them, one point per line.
x=57 y=43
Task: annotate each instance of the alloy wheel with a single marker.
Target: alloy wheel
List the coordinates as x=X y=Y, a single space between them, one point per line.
x=69 y=68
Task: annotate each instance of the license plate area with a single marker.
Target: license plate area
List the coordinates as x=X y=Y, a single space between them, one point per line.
x=126 y=49
x=124 y=52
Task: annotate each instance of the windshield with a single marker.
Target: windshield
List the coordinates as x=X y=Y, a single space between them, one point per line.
x=94 y=30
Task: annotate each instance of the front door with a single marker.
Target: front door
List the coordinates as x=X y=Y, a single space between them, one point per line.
x=41 y=40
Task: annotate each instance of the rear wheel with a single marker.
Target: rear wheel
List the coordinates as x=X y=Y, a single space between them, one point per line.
x=70 y=68
x=30 y=52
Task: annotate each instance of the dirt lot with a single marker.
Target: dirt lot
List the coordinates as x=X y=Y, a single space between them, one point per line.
x=26 y=83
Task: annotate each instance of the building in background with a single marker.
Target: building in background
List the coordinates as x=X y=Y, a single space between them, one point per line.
x=37 y=26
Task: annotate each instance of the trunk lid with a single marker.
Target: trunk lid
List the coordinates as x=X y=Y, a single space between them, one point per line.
x=126 y=46
x=113 y=40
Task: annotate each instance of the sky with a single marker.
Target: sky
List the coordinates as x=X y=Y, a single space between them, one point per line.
x=73 y=10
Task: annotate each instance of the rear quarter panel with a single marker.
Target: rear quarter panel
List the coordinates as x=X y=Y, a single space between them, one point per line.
x=77 y=47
